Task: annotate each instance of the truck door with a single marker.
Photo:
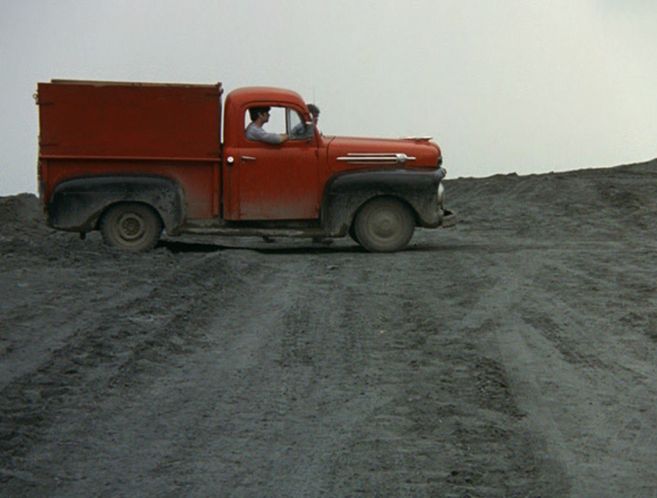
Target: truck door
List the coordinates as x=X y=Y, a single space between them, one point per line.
x=273 y=182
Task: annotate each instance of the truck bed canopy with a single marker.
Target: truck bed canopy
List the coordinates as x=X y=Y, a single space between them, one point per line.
x=96 y=119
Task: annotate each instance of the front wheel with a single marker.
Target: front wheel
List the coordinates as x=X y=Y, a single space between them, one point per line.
x=131 y=227
x=384 y=225
x=352 y=233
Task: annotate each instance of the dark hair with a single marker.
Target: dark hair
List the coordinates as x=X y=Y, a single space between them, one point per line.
x=254 y=112
x=313 y=109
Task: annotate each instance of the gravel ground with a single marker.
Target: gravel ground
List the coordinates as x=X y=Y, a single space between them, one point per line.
x=511 y=355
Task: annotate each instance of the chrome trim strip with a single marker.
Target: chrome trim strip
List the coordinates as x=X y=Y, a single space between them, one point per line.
x=376 y=157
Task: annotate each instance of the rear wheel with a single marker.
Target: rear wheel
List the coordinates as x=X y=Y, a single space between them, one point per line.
x=131 y=227
x=384 y=225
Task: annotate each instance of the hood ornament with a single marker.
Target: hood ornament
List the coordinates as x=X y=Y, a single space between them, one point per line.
x=424 y=138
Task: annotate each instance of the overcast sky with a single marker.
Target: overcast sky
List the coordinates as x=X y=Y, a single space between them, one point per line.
x=526 y=86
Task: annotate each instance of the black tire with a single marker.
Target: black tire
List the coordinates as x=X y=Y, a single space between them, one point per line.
x=131 y=227
x=384 y=225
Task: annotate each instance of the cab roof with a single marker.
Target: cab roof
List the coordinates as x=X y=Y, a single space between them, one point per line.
x=264 y=94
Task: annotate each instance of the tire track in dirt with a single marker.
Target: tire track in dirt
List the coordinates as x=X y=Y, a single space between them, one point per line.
x=437 y=383
x=567 y=362
x=320 y=374
x=97 y=355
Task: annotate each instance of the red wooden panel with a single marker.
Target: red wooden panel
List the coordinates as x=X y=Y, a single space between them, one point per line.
x=129 y=120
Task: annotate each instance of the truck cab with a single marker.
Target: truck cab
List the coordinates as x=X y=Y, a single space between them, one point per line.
x=266 y=181
x=134 y=159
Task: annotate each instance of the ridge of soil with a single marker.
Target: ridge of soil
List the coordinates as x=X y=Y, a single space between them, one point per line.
x=511 y=355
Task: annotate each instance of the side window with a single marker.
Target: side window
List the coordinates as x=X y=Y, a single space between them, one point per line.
x=297 y=126
x=284 y=120
x=277 y=120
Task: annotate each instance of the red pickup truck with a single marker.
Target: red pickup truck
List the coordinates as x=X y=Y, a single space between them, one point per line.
x=134 y=159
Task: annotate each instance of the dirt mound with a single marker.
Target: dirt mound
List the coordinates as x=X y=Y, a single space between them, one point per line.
x=591 y=202
x=511 y=355
x=625 y=192
x=20 y=211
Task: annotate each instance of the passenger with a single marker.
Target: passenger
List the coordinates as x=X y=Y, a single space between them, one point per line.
x=308 y=132
x=303 y=131
x=259 y=116
x=314 y=110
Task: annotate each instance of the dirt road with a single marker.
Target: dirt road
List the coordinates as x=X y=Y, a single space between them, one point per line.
x=513 y=355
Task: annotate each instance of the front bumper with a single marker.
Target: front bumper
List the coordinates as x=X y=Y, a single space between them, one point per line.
x=449 y=219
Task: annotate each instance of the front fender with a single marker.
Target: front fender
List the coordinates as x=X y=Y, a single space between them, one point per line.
x=76 y=205
x=346 y=192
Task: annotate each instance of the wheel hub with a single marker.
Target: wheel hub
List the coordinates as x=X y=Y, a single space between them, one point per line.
x=385 y=225
x=131 y=227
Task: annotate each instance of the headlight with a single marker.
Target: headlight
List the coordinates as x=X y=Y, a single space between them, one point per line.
x=441 y=194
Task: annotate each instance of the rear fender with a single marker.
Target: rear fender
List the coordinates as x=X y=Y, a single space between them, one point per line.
x=77 y=205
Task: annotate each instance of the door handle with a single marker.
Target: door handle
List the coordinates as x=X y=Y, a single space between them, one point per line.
x=247 y=158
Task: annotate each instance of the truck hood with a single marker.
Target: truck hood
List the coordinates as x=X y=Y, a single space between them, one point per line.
x=347 y=153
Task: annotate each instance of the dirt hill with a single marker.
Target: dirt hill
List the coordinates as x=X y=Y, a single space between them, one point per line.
x=512 y=355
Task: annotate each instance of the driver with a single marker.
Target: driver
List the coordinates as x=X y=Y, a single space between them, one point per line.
x=255 y=131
